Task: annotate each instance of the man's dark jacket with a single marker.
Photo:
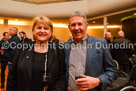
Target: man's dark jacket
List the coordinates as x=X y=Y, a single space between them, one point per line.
x=13 y=45
x=124 y=51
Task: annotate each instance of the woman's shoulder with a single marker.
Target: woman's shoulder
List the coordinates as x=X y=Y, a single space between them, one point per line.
x=27 y=46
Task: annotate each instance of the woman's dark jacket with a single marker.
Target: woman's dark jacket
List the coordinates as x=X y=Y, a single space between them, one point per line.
x=19 y=78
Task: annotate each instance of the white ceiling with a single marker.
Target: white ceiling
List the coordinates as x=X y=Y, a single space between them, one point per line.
x=91 y=8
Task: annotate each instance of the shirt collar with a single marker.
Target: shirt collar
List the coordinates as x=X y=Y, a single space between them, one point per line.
x=81 y=41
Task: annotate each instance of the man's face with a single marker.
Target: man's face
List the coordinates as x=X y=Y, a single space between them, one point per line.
x=21 y=35
x=108 y=36
x=6 y=37
x=11 y=32
x=78 y=28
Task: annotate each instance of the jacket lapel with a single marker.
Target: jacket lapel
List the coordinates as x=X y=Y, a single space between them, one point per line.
x=50 y=56
x=90 y=47
x=29 y=59
x=67 y=53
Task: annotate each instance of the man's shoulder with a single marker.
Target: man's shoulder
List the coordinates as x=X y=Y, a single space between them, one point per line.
x=14 y=38
x=68 y=42
x=2 y=40
x=94 y=39
x=0 y=44
x=127 y=40
x=89 y=39
x=120 y=40
x=27 y=40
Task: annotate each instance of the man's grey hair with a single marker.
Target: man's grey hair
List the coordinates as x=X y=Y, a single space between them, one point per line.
x=77 y=13
x=16 y=29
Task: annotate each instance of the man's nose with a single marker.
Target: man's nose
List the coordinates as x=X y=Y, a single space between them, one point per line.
x=76 y=27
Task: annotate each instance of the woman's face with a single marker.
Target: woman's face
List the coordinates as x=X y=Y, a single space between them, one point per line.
x=42 y=32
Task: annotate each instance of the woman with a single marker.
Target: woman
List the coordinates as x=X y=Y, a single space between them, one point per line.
x=29 y=66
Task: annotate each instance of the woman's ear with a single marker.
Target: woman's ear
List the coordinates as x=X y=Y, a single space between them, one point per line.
x=51 y=37
x=34 y=36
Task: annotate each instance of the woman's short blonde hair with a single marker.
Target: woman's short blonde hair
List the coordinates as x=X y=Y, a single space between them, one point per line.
x=42 y=19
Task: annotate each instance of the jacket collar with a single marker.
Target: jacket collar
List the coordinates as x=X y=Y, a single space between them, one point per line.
x=120 y=37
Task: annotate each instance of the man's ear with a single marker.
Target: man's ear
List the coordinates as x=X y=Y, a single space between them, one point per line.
x=87 y=25
x=14 y=31
x=69 y=28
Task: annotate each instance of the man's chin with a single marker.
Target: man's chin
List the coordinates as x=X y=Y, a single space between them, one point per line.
x=77 y=38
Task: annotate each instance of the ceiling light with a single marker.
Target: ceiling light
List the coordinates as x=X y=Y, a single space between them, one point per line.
x=96 y=27
x=115 y=26
x=11 y=22
x=93 y=21
x=89 y=27
x=1 y=21
x=60 y=25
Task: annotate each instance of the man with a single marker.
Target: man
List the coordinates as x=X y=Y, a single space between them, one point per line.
x=70 y=37
x=0 y=50
x=96 y=64
x=135 y=47
x=123 y=52
x=4 y=60
x=108 y=37
x=13 y=41
x=23 y=37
